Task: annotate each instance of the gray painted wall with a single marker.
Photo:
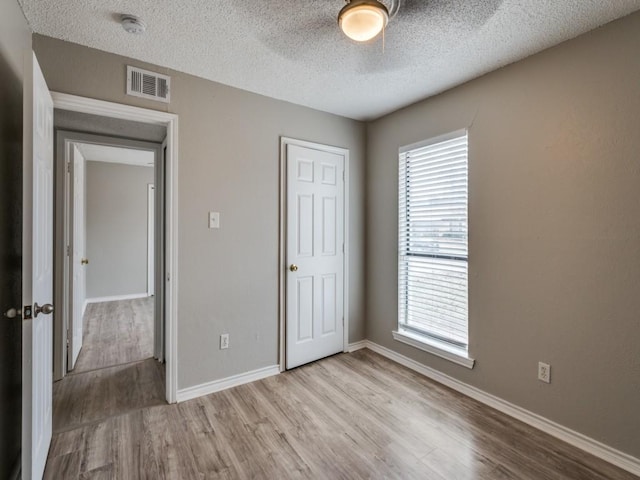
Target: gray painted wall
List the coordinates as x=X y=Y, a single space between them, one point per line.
x=116 y=228
x=554 y=248
x=229 y=162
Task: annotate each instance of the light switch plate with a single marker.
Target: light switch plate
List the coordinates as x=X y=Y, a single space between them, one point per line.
x=214 y=219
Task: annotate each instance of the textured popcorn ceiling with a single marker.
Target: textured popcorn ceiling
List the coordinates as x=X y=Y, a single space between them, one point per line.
x=293 y=49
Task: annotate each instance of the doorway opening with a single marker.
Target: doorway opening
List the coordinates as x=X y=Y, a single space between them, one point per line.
x=111 y=312
x=117 y=168
x=112 y=315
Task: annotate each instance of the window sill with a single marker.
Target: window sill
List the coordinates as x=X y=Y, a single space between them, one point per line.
x=448 y=352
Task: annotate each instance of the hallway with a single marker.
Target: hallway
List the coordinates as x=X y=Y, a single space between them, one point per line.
x=116 y=333
x=115 y=372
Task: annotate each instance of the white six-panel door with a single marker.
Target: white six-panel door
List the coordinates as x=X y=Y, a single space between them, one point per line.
x=37 y=368
x=315 y=254
x=78 y=265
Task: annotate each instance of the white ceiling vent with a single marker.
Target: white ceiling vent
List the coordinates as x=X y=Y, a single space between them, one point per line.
x=146 y=84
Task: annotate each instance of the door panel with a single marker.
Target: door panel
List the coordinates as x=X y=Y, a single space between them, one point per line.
x=305 y=226
x=315 y=236
x=329 y=298
x=38 y=283
x=11 y=167
x=329 y=226
x=304 y=311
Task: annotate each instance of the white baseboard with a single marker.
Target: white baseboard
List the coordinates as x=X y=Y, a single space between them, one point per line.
x=229 y=382
x=352 y=347
x=115 y=298
x=598 y=449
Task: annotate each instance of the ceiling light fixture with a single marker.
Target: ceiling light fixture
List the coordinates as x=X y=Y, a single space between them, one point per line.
x=133 y=24
x=362 y=20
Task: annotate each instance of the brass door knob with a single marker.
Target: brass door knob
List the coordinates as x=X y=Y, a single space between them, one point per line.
x=84 y=261
x=293 y=267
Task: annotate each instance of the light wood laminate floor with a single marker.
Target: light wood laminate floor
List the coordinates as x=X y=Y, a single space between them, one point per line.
x=350 y=416
x=93 y=396
x=114 y=373
x=115 y=333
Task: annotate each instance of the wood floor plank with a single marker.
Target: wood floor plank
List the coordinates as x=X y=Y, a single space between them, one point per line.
x=115 y=333
x=491 y=433
x=100 y=394
x=351 y=416
x=63 y=466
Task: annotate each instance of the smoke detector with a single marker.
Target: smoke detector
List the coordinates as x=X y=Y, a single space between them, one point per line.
x=133 y=24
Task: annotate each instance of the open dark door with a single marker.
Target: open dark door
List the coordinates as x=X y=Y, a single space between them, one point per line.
x=10 y=269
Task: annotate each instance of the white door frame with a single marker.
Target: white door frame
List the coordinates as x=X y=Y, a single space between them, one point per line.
x=92 y=106
x=151 y=215
x=282 y=253
x=71 y=264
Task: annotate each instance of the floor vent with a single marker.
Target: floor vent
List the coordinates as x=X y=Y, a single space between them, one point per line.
x=146 y=84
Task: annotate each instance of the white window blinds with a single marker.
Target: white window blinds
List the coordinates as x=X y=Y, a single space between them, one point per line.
x=433 y=254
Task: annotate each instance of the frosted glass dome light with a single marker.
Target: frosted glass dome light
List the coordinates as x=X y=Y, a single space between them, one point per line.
x=362 y=20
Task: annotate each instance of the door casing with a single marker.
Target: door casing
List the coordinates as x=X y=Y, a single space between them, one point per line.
x=76 y=238
x=282 y=253
x=151 y=254
x=102 y=108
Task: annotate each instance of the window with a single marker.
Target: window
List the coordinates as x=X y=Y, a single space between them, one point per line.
x=433 y=253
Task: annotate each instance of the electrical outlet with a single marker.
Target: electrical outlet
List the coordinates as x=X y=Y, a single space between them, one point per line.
x=224 y=341
x=544 y=372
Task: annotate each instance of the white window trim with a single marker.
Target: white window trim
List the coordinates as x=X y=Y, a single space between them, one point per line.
x=444 y=350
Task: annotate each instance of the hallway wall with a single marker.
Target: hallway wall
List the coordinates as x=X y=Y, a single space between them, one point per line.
x=117 y=229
